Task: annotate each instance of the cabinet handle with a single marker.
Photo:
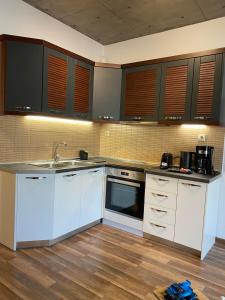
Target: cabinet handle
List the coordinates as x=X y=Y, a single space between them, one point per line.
x=202 y=118
x=158 y=210
x=137 y=118
x=27 y=108
x=164 y=180
x=95 y=171
x=191 y=184
x=156 y=225
x=173 y=118
x=36 y=178
x=159 y=195
x=69 y=175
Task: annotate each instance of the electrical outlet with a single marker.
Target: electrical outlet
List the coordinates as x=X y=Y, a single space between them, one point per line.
x=202 y=137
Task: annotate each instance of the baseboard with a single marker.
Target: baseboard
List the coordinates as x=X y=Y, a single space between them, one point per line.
x=47 y=243
x=172 y=244
x=123 y=227
x=220 y=242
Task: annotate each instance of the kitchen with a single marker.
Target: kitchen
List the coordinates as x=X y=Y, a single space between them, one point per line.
x=134 y=141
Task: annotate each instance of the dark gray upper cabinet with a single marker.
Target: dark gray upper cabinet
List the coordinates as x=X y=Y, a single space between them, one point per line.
x=80 y=89
x=23 y=82
x=176 y=90
x=206 y=97
x=55 y=82
x=140 y=93
x=107 y=94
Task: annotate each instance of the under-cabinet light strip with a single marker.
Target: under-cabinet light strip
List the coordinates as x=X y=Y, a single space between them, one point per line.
x=58 y=120
x=193 y=126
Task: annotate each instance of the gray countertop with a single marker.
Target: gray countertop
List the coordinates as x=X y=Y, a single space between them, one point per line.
x=98 y=162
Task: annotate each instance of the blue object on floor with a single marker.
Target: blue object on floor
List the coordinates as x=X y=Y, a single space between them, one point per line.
x=180 y=291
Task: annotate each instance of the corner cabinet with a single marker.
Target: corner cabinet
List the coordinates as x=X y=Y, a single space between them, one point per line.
x=207 y=88
x=106 y=94
x=67 y=85
x=176 y=90
x=23 y=77
x=140 y=93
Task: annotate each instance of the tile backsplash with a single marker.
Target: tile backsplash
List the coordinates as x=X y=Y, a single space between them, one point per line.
x=22 y=139
x=147 y=143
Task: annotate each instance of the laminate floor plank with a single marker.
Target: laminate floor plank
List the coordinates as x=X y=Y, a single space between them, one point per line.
x=106 y=263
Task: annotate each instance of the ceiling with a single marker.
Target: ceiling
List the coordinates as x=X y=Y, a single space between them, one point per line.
x=111 y=21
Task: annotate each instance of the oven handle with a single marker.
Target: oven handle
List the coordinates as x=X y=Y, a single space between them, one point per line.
x=124 y=182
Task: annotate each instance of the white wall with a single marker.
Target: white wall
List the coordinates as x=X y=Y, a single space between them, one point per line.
x=201 y=36
x=19 y=18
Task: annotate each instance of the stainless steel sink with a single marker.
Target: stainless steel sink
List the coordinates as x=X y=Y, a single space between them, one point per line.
x=61 y=164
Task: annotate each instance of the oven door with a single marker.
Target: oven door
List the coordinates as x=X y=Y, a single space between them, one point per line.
x=125 y=196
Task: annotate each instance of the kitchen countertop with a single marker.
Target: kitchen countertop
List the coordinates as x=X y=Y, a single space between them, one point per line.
x=28 y=168
x=193 y=177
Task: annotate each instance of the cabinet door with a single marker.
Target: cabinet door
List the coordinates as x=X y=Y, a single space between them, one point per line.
x=207 y=88
x=81 y=89
x=55 y=82
x=34 y=212
x=92 y=199
x=140 y=93
x=23 y=88
x=107 y=94
x=176 y=90
x=190 y=214
x=68 y=194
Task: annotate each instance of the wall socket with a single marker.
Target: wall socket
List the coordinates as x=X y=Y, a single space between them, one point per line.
x=202 y=137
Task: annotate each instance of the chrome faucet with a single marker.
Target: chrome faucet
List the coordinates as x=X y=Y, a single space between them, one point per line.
x=55 y=147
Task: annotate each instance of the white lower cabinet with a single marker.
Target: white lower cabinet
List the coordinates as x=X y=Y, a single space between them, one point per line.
x=34 y=207
x=92 y=199
x=48 y=206
x=67 y=203
x=191 y=199
x=182 y=211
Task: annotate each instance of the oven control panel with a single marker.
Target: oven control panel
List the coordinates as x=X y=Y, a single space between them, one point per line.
x=122 y=173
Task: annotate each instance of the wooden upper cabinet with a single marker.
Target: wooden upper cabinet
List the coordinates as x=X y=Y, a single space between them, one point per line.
x=207 y=88
x=56 y=82
x=140 y=93
x=176 y=90
x=81 y=82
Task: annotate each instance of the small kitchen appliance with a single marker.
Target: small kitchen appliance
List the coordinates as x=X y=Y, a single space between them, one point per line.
x=83 y=155
x=187 y=160
x=203 y=160
x=166 y=161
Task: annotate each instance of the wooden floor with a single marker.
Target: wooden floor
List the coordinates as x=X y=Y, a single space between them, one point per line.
x=105 y=263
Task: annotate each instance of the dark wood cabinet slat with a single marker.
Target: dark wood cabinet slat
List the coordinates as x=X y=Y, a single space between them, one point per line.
x=141 y=93
x=81 y=96
x=207 y=87
x=175 y=90
x=57 y=82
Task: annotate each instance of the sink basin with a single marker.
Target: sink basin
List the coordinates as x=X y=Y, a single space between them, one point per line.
x=61 y=164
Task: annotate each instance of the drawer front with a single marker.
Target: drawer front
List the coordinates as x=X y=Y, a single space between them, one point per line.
x=159 y=229
x=162 y=199
x=159 y=214
x=162 y=183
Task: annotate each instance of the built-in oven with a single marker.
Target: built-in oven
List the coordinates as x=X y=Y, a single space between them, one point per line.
x=125 y=192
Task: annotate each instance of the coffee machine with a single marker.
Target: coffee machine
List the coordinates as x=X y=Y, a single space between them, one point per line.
x=203 y=159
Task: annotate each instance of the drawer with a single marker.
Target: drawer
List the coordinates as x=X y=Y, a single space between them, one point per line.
x=161 y=183
x=162 y=199
x=159 y=229
x=159 y=214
